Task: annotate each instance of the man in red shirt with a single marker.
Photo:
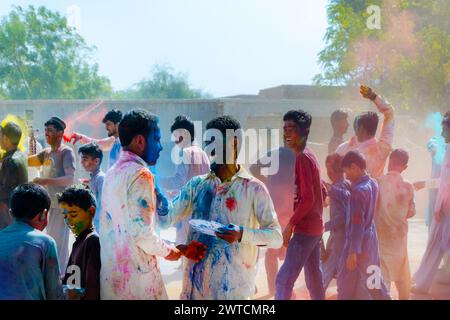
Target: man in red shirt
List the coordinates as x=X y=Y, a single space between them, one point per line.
x=304 y=231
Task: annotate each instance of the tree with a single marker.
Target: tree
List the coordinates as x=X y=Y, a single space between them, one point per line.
x=408 y=58
x=43 y=58
x=163 y=83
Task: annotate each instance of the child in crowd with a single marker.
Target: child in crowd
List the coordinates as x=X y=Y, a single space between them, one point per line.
x=83 y=268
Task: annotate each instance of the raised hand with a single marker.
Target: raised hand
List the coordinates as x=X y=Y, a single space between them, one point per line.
x=367 y=92
x=230 y=233
x=75 y=137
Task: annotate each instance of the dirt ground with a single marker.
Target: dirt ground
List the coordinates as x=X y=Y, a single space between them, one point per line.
x=417 y=239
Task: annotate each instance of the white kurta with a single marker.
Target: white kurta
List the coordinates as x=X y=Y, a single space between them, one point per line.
x=228 y=271
x=395 y=206
x=129 y=244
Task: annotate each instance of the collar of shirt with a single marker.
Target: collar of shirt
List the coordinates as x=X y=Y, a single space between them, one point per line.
x=241 y=173
x=95 y=173
x=83 y=235
x=10 y=153
x=130 y=156
x=363 y=179
x=19 y=225
x=367 y=143
x=394 y=173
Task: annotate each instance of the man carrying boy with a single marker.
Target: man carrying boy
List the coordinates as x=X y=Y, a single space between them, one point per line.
x=360 y=257
x=79 y=207
x=339 y=194
x=395 y=206
x=91 y=160
x=28 y=259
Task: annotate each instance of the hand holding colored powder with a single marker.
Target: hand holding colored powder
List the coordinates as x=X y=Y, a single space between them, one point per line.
x=194 y=251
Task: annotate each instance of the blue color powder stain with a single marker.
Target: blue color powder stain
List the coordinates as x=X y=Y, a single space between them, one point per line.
x=143 y=203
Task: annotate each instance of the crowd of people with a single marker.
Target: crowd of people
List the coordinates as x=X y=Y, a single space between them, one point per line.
x=115 y=215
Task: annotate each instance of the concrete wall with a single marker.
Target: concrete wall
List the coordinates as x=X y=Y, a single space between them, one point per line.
x=251 y=112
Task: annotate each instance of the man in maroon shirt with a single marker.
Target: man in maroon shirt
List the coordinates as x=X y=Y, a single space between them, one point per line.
x=304 y=231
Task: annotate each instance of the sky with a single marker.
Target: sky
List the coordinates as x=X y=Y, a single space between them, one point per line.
x=226 y=47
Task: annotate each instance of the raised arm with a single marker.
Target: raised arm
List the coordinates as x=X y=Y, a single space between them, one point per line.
x=105 y=144
x=181 y=206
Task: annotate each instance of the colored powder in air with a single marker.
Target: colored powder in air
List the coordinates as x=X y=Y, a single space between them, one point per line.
x=434 y=121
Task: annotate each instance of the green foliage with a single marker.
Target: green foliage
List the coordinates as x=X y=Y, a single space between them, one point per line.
x=43 y=58
x=163 y=83
x=408 y=59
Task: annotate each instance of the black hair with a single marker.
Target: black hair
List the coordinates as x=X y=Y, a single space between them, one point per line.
x=13 y=132
x=399 y=156
x=369 y=121
x=354 y=157
x=335 y=160
x=115 y=116
x=28 y=200
x=183 y=122
x=136 y=122
x=57 y=123
x=301 y=118
x=223 y=123
x=338 y=115
x=93 y=150
x=77 y=195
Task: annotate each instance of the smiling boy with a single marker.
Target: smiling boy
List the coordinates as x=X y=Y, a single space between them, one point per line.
x=78 y=205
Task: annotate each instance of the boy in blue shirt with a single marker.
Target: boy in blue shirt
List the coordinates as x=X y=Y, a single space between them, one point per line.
x=28 y=258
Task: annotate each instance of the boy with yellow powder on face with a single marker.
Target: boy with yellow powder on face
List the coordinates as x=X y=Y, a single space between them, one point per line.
x=82 y=275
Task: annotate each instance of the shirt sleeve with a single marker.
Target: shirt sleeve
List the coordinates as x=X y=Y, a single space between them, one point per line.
x=388 y=126
x=357 y=220
x=180 y=207
x=52 y=282
x=69 y=163
x=269 y=231
x=442 y=199
x=93 y=266
x=178 y=180
x=340 y=200
x=142 y=211
x=304 y=172
x=105 y=144
x=100 y=181
x=41 y=156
